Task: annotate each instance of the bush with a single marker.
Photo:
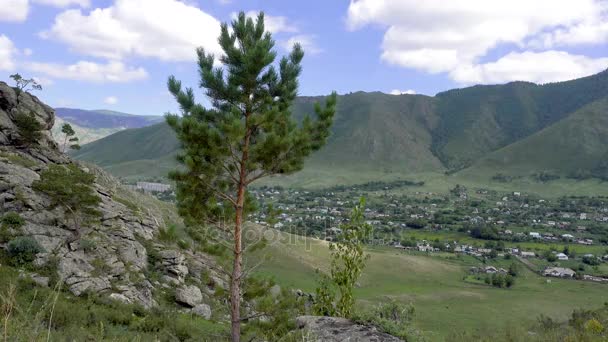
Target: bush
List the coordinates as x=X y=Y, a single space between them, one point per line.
x=169 y=234
x=28 y=128
x=87 y=245
x=12 y=220
x=23 y=250
x=391 y=317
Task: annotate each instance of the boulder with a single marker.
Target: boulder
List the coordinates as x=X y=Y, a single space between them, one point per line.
x=334 y=329
x=202 y=310
x=120 y=298
x=188 y=295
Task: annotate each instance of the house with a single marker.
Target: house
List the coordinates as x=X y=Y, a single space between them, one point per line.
x=562 y=256
x=528 y=254
x=535 y=235
x=568 y=236
x=559 y=272
x=490 y=269
x=425 y=248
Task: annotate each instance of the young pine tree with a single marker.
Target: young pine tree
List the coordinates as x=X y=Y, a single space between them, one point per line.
x=70 y=188
x=247 y=133
x=28 y=127
x=69 y=136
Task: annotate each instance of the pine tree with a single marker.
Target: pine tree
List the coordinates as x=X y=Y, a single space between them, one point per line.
x=28 y=127
x=247 y=133
x=69 y=136
x=70 y=188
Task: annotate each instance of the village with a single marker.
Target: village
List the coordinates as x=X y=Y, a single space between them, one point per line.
x=565 y=237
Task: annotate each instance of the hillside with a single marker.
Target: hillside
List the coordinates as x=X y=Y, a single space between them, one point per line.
x=477 y=120
x=376 y=135
x=91 y=125
x=102 y=118
x=371 y=131
x=576 y=145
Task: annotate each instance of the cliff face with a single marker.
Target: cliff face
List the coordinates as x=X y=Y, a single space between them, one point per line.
x=112 y=255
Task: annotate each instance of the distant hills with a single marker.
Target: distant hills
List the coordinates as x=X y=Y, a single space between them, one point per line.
x=91 y=125
x=518 y=128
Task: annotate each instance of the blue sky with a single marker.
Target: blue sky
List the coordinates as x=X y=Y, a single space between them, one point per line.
x=117 y=54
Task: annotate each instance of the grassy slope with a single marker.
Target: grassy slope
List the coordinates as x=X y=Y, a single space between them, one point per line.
x=382 y=137
x=444 y=302
x=577 y=142
x=147 y=143
x=477 y=120
x=372 y=131
x=85 y=135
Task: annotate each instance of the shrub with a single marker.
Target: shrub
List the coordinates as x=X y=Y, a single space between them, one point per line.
x=391 y=317
x=23 y=250
x=28 y=128
x=87 y=245
x=169 y=234
x=594 y=326
x=12 y=220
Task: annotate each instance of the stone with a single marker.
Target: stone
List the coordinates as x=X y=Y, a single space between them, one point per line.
x=174 y=263
x=333 y=329
x=189 y=295
x=275 y=291
x=120 y=298
x=202 y=310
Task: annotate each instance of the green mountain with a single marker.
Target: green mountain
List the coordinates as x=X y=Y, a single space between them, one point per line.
x=371 y=131
x=477 y=120
x=377 y=134
x=575 y=146
x=91 y=125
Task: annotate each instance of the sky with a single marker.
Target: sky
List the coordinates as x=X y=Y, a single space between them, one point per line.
x=118 y=54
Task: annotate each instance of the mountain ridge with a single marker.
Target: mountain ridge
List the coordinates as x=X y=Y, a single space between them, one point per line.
x=403 y=134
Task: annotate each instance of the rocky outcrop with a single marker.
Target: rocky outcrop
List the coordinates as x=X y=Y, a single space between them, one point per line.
x=333 y=329
x=110 y=256
x=189 y=295
x=202 y=310
x=11 y=105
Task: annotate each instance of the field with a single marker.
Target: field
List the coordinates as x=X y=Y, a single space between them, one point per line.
x=444 y=302
x=319 y=177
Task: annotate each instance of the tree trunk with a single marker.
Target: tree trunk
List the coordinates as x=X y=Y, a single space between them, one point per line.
x=237 y=269
x=235 y=281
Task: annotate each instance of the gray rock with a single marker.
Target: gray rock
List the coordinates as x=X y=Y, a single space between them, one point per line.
x=333 y=329
x=275 y=291
x=189 y=295
x=120 y=298
x=174 y=263
x=202 y=310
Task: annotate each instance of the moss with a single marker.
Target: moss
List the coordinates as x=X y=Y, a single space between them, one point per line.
x=18 y=160
x=132 y=206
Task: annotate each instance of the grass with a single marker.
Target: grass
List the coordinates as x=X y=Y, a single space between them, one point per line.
x=444 y=302
x=30 y=313
x=17 y=159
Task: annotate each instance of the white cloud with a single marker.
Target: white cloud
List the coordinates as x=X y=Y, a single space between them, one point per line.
x=274 y=24
x=43 y=81
x=306 y=41
x=401 y=92
x=167 y=29
x=17 y=10
x=27 y=52
x=111 y=100
x=7 y=53
x=13 y=10
x=64 y=3
x=539 y=67
x=441 y=36
x=90 y=71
